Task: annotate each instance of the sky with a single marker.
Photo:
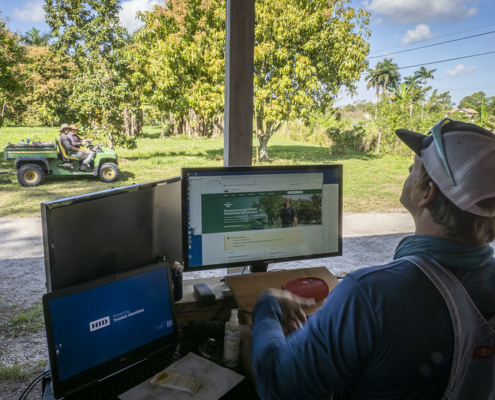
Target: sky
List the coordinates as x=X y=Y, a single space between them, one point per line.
x=411 y=32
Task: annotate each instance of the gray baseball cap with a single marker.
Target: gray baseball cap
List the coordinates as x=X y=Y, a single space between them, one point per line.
x=460 y=159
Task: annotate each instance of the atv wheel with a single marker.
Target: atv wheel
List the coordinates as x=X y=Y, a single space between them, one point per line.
x=109 y=172
x=30 y=175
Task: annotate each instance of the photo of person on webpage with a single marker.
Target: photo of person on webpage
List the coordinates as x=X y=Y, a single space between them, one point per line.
x=288 y=215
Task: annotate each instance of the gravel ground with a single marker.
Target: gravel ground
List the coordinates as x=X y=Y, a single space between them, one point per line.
x=22 y=280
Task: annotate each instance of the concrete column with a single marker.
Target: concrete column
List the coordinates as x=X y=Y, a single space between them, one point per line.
x=239 y=74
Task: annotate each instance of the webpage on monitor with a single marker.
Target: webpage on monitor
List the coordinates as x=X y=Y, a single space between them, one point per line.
x=235 y=217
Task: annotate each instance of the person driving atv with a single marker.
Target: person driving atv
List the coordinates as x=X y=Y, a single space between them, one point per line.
x=72 y=144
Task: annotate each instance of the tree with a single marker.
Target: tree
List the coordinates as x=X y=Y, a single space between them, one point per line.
x=475 y=99
x=384 y=75
x=180 y=67
x=387 y=74
x=48 y=83
x=440 y=101
x=352 y=91
x=423 y=74
x=485 y=114
x=103 y=100
x=305 y=52
x=373 y=80
x=11 y=77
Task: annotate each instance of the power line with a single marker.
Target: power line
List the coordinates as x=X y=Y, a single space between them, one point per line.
x=435 y=44
x=435 y=38
x=450 y=59
x=376 y=8
x=442 y=61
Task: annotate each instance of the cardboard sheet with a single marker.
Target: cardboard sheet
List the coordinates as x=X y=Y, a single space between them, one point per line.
x=247 y=288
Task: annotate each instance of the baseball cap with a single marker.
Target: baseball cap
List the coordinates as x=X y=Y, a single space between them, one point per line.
x=460 y=158
x=64 y=126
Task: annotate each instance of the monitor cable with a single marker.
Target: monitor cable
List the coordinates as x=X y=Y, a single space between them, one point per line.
x=33 y=383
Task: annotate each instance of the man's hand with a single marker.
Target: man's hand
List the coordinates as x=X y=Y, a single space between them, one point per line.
x=292 y=306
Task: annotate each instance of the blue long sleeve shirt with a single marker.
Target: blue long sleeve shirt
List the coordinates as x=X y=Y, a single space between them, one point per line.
x=383 y=333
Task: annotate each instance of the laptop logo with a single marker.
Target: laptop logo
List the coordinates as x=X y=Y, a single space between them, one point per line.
x=99 y=323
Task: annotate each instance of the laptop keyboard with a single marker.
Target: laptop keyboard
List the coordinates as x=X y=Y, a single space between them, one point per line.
x=112 y=387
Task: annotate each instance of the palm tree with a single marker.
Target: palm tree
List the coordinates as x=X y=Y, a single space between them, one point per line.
x=388 y=75
x=373 y=81
x=383 y=76
x=424 y=74
x=351 y=91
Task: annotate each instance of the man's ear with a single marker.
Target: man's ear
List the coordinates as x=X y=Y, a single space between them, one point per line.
x=429 y=195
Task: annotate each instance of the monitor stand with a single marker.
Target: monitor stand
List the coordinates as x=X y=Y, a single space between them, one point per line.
x=248 y=269
x=259 y=267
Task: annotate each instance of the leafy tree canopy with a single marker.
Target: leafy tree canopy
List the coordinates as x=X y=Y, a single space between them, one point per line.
x=11 y=55
x=475 y=100
x=48 y=83
x=89 y=34
x=305 y=51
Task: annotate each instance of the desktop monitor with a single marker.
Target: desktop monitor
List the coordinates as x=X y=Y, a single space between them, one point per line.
x=98 y=234
x=232 y=215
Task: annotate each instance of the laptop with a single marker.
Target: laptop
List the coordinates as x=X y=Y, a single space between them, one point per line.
x=118 y=328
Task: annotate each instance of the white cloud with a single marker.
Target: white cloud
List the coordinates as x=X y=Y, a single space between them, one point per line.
x=421 y=11
x=130 y=8
x=421 y=32
x=32 y=11
x=460 y=68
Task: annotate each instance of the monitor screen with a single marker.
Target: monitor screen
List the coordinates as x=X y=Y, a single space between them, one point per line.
x=238 y=216
x=97 y=234
x=101 y=327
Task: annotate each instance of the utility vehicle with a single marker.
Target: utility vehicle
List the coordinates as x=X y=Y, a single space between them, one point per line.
x=34 y=160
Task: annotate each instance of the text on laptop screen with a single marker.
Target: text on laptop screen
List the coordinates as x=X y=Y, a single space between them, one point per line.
x=235 y=216
x=99 y=324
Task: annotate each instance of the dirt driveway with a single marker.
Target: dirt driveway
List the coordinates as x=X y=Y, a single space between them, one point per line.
x=369 y=239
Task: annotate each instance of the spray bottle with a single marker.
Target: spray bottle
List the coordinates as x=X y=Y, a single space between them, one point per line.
x=232 y=340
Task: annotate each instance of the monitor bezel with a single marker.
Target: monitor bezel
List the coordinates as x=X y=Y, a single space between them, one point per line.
x=258 y=264
x=50 y=254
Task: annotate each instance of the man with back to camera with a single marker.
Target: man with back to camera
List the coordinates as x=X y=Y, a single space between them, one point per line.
x=73 y=147
x=387 y=331
x=288 y=215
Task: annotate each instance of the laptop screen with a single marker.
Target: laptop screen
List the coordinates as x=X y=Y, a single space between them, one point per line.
x=102 y=327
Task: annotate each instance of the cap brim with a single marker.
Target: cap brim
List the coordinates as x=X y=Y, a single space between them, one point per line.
x=412 y=139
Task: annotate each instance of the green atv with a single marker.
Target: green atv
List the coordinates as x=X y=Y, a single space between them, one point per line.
x=35 y=160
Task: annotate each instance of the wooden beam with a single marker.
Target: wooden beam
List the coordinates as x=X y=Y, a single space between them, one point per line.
x=239 y=75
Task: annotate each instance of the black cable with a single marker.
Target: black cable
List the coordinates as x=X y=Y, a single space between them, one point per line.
x=441 y=61
x=435 y=38
x=431 y=45
x=376 y=8
x=33 y=383
x=450 y=59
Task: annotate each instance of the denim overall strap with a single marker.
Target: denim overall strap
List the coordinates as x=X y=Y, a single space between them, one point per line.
x=473 y=366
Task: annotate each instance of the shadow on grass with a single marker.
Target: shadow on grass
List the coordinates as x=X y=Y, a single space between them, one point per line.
x=277 y=153
x=302 y=154
x=206 y=154
x=153 y=135
x=126 y=176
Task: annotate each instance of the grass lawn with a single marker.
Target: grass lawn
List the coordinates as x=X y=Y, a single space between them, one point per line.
x=372 y=183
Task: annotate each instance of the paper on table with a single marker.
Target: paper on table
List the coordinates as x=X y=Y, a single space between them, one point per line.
x=216 y=381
